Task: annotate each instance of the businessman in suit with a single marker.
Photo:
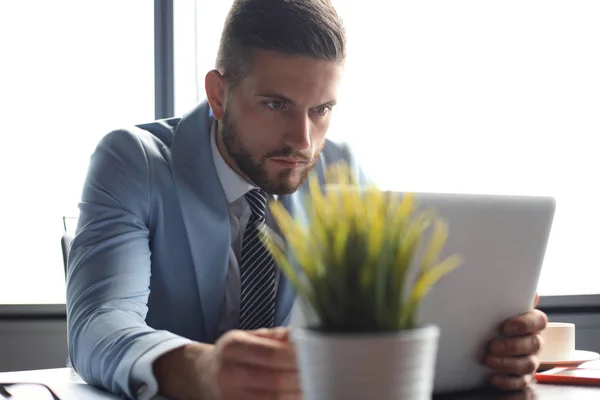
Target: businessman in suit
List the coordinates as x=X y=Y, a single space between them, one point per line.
x=169 y=290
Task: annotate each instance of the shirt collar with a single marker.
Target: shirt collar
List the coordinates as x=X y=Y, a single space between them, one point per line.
x=233 y=184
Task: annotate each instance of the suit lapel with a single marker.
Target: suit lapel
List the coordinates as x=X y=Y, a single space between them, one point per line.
x=204 y=211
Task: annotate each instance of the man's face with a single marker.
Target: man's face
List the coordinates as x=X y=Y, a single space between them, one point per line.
x=273 y=124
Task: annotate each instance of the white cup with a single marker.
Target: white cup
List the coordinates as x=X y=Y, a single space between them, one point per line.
x=559 y=342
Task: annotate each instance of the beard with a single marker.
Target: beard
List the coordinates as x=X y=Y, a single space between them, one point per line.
x=255 y=168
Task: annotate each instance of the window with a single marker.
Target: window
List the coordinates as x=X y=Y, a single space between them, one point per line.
x=71 y=72
x=197 y=30
x=494 y=97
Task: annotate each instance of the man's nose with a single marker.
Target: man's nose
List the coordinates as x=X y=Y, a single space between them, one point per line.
x=298 y=136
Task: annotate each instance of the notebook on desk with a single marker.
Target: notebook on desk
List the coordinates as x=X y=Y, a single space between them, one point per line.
x=503 y=241
x=585 y=374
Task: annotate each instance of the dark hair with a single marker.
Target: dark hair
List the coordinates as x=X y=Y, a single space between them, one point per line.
x=296 y=27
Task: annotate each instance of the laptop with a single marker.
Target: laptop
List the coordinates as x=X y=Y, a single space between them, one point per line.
x=502 y=240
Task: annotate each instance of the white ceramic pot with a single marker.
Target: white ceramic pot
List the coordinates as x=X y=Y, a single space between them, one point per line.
x=396 y=366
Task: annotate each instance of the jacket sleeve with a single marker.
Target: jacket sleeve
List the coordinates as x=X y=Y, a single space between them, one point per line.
x=109 y=270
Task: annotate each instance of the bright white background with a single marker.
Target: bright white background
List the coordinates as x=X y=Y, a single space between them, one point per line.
x=70 y=71
x=463 y=96
x=455 y=96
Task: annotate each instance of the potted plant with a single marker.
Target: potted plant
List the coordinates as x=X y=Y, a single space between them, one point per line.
x=361 y=265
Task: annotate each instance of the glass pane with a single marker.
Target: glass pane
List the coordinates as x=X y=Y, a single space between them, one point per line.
x=77 y=69
x=198 y=25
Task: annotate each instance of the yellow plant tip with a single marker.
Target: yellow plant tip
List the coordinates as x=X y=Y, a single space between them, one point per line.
x=331 y=177
x=436 y=244
x=316 y=200
x=339 y=173
x=373 y=202
x=376 y=231
x=336 y=175
x=340 y=241
x=268 y=235
x=414 y=231
x=295 y=234
x=276 y=246
x=405 y=210
x=393 y=200
x=334 y=205
x=314 y=186
x=349 y=205
x=283 y=219
x=433 y=275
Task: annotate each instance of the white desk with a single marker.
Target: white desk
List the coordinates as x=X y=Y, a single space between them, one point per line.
x=63 y=381
x=68 y=386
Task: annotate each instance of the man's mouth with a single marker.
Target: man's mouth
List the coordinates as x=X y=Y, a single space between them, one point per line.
x=289 y=162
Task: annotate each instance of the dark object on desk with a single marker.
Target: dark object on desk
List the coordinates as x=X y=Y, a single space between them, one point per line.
x=5 y=394
x=570 y=376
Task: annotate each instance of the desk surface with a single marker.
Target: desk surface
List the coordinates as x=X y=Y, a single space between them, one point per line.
x=63 y=381
x=68 y=386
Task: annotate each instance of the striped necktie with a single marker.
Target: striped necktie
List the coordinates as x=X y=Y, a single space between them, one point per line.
x=257 y=270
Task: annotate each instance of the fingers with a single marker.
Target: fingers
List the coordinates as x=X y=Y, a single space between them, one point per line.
x=517 y=346
x=515 y=357
x=249 y=349
x=259 y=364
x=278 y=333
x=526 y=394
x=261 y=395
x=260 y=379
x=532 y=322
x=513 y=365
x=511 y=382
x=516 y=360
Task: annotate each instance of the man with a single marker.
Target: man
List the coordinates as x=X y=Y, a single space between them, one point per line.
x=166 y=292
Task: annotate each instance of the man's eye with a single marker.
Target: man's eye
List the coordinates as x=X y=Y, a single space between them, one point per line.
x=275 y=104
x=322 y=110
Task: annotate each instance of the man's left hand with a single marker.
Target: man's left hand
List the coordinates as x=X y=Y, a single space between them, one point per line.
x=514 y=357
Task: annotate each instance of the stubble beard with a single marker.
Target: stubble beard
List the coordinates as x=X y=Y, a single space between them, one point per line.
x=255 y=170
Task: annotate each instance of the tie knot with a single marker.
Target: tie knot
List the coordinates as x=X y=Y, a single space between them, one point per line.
x=257 y=199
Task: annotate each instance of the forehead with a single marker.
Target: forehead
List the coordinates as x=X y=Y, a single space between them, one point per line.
x=307 y=81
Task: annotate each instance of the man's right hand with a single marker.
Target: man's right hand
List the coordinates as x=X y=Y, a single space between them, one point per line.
x=250 y=365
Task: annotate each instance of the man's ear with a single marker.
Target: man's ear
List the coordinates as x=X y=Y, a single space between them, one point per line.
x=214 y=84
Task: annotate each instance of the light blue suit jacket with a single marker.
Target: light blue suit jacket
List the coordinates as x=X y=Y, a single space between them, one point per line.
x=147 y=267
